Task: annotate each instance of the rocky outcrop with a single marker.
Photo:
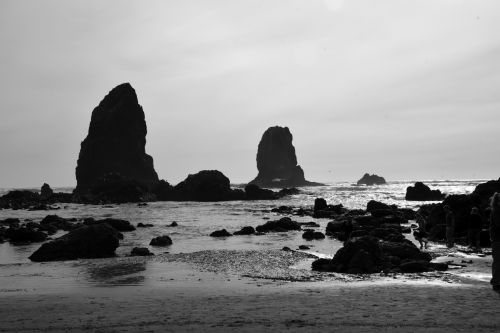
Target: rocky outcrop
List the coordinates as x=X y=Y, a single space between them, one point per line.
x=248 y=230
x=368 y=179
x=161 y=241
x=24 y=199
x=282 y=225
x=277 y=162
x=46 y=192
x=115 y=144
x=310 y=234
x=141 y=252
x=93 y=241
x=366 y=255
x=206 y=185
x=220 y=233
x=422 y=192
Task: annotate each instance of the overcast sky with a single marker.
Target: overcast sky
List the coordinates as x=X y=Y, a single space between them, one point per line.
x=404 y=89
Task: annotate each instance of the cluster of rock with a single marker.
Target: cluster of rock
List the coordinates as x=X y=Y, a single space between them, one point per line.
x=87 y=238
x=284 y=224
x=368 y=254
x=377 y=243
x=370 y=180
x=277 y=162
x=461 y=206
x=422 y=192
x=25 y=199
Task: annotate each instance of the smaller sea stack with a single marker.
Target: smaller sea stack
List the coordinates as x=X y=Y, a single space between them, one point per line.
x=277 y=162
x=369 y=180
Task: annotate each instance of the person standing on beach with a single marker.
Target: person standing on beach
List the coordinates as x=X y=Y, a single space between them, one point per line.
x=495 y=240
x=475 y=224
x=450 y=226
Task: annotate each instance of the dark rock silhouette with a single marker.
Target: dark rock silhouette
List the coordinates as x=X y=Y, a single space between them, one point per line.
x=277 y=162
x=163 y=191
x=206 y=185
x=368 y=179
x=46 y=192
x=57 y=222
x=220 y=233
x=25 y=235
x=161 y=241
x=376 y=205
x=483 y=192
x=310 y=234
x=93 y=241
x=253 y=192
x=245 y=231
x=367 y=254
x=422 y=192
x=323 y=210
x=281 y=225
x=115 y=143
x=141 y=252
x=113 y=188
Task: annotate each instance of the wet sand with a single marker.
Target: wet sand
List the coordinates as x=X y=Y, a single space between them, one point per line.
x=211 y=291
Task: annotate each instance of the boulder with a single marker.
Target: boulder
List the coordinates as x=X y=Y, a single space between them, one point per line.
x=144 y=225
x=486 y=190
x=320 y=204
x=206 y=185
x=422 y=192
x=277 y=162
x=405 y=250
x=115 y=143
x=19 y=199
x=173 y=224
x=254 y=192
x=25 y=235
x=310 y=234
x=57 y=222
x=161 y=241
x=92 y=241
x=368 y=179
x=46 y=192
x=141 y=252
x=376 y=205
x=281 y=225
x=10 y=222
x=245 y=231
x=220 y=233
x=359 y=256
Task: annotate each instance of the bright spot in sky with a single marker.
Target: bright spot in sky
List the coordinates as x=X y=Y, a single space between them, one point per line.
x=334 y=5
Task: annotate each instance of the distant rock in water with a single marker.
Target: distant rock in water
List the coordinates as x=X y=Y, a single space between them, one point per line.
x=277 y=162
x=115 y=143
x=422 y=192
x=368 y=179
x=46 y=192
x=206 y=185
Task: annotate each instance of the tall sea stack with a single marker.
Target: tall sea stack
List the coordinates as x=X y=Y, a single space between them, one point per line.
x=277 y=162
x=115 y=144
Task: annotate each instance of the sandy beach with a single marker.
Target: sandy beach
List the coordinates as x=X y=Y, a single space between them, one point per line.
x=212 y=292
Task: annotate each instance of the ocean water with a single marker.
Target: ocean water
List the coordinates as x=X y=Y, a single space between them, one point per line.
x=197 y=220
